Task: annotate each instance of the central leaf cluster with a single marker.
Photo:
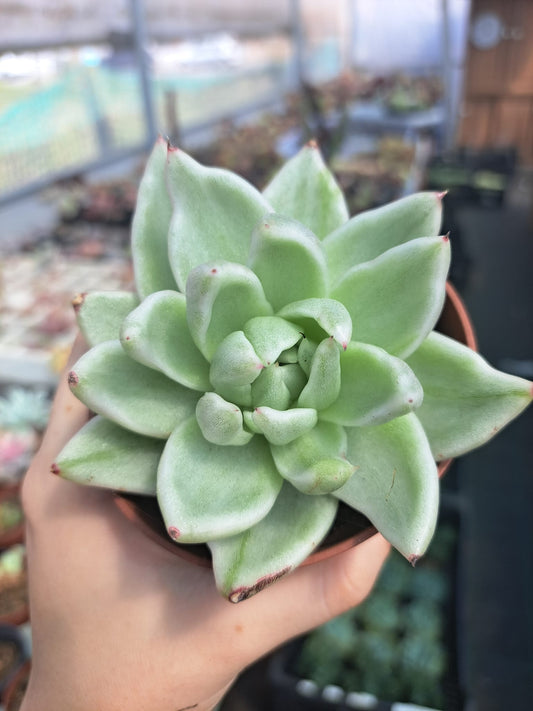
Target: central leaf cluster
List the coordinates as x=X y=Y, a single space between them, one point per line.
x=276 y=376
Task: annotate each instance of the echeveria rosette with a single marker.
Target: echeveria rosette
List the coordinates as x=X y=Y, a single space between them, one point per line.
x=279 y=357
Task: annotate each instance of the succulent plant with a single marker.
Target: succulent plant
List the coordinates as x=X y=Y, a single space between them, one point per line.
x=278 y=357
x=22 y=408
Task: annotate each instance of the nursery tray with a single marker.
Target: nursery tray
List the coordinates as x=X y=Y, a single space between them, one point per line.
x=291 y=691
x=37 y=324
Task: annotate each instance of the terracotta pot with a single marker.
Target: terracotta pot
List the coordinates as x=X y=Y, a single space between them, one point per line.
x=350 y=527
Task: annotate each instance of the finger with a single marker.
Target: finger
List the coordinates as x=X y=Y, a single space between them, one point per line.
x=312 y=595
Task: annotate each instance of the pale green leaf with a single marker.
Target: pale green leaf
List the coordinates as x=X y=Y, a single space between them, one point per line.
x=270 y=336
x=315 y=463
x=466 y=401
x=396 y=482
x=371 y=233
x=214 y=214
x=317 y=317
x=149 y=230
x=295 y=379
x=246 y=563
x=306 y=351
x=235 y=362
x=324 y=384
x=270 y=389
x=282 y=426
x=289 y=261
x=100 y=314
x=206 y=491
x=131 y=395
x=395 y=300
x=221 y=298
x=220 y=421
x=104 y=454
x=156 y=334
x=375 y=387
x=305 y=190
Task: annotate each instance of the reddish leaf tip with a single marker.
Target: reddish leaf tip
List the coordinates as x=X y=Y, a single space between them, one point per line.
x=174 y=532
x=78 y=300
x=413 y=559
x=312 y=144
x=54 y=469
x=446 y=237
x=442 y=195
x=73 y=379
x=344 y=345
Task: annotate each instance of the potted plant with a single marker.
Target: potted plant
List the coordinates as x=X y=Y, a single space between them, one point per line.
x=23 y=418
x=276 y=359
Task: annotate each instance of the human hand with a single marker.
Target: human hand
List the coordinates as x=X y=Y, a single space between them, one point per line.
x=120 y=623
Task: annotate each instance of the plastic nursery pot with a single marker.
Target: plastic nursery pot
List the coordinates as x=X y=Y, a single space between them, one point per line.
x=350 y=527
x=14 y=693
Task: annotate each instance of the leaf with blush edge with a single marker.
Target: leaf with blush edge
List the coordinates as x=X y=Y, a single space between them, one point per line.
x=246 y=563
x=373 y=232
x=131 y=395
x=100 y=314
x=207 y=491
x=214 y=213
x=104 y=454
x=466 y=401
x=156 y=334
x=150 y=226
x=289 y=261
x=305 y=190
x=375 y=387
x=395 y=300
x=395 y=483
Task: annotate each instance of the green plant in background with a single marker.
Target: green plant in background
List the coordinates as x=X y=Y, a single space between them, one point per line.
x=393 y=645
x=278 y=357
x=22 y=408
